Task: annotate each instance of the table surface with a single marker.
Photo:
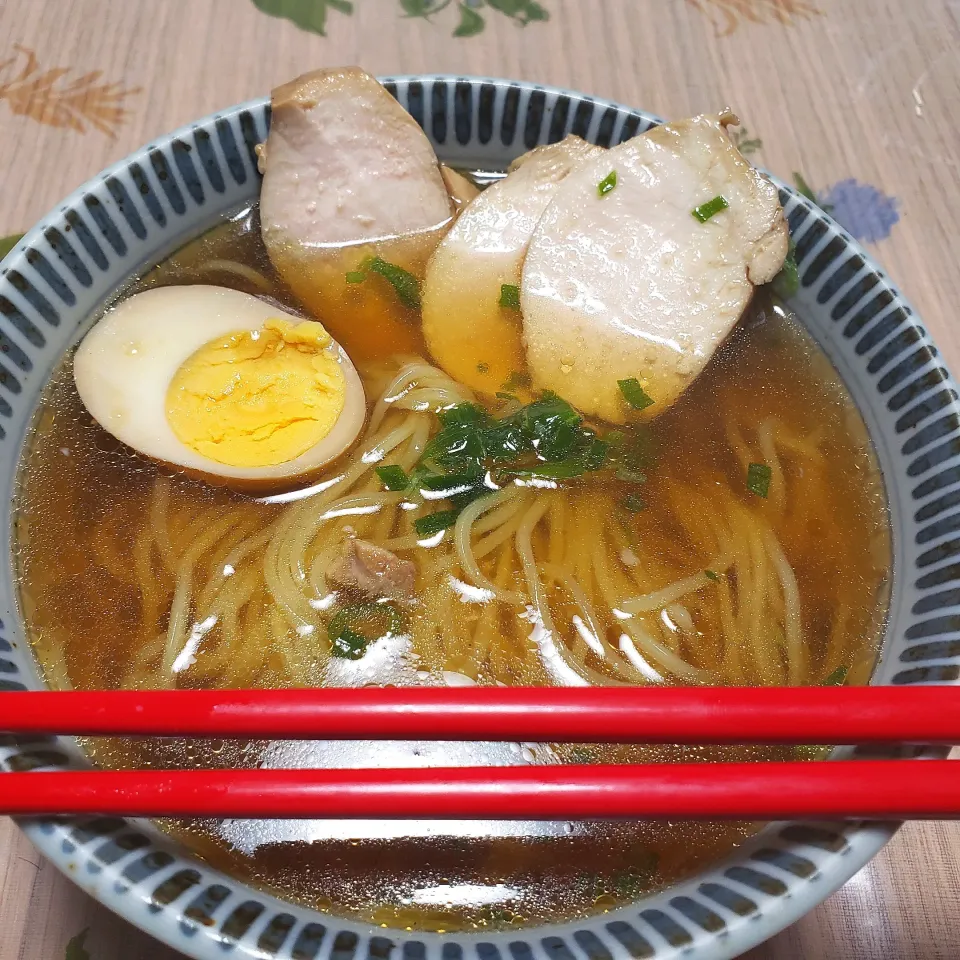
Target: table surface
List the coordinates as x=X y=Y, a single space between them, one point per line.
x=862 y=99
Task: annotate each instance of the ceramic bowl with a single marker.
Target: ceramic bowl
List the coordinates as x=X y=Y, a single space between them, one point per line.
x=144 y=207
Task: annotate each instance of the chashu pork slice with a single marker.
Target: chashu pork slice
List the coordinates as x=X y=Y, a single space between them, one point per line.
x=349 y=176
x=468 y=333
x=627 y=282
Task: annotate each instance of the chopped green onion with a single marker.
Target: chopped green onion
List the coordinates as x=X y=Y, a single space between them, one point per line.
x=709 y=209
x=509 y=296
x=608 y=183
x=461 y=414
x=349 y=645
x=758 y=479
x=406 y=285
x=566 y=470
x=483 y=367
x=634 y=503
x=506 y=442
x=634 y=394
x=393 y=477
x=837 y=678
x=711 y=575
x=787 y=282
x=348 y=642
x=433 y=523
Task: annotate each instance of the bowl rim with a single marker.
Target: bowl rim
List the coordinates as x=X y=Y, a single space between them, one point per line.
x=834 y=860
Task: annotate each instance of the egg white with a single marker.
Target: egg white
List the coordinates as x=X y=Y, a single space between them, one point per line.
x=124 y=366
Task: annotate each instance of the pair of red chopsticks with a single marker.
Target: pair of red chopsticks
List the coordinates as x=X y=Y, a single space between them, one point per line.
x=858 y=789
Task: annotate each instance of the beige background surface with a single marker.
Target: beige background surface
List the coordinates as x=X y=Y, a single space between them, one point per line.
x=839 y=90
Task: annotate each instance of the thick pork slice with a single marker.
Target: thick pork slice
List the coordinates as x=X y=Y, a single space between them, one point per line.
x=349 y=177
x=643 y=263
x=469 y=333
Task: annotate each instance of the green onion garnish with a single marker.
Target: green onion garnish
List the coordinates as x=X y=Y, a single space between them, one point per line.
x=837 y=678
x=350 y=643
x=758 y=479
x=787 y=282
x=634 y=503
x=393 y=477
x=433 y=523
x=634 y=394
x=711 y=575
x=608 y=183
x=509 y=296
x=406 y=285
x=709 y=209
x=483 y=367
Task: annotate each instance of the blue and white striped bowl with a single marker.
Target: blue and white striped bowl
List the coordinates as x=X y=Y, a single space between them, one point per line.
x=143 y=208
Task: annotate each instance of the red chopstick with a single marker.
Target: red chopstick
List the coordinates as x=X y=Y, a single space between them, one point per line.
x=829 y=715
x=753 y=791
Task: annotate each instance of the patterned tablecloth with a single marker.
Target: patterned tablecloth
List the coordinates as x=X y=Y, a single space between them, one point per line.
x=857 y=101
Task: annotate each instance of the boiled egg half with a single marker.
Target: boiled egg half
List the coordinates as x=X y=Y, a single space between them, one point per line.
x=221 y=384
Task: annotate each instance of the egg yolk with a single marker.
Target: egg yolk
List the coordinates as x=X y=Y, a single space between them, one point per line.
x=257 y=398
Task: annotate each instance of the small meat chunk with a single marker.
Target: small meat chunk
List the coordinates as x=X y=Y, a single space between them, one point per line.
x=623 y=279
x=372 y=571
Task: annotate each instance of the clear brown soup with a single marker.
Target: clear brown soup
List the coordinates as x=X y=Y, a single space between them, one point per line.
x=107 y=543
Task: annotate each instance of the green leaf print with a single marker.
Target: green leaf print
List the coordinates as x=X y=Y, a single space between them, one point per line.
x=306 y=14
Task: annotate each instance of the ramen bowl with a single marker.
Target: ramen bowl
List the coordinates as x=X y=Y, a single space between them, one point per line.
x=137 y=212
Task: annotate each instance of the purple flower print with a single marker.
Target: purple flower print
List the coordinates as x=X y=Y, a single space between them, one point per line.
x=868 y=213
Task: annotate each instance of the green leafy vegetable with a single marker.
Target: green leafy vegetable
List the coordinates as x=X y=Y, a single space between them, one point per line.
x=404 y=283
x=758 y=479
x=787 y=282
x=8 y=243
x=710 y=209
x=349 y=639
x=608 y=183
x=75 y=947
x=837 y=678
x=433 y=523
x=393 y=477
x=634 y=503
x=509 y=296
x=711 y=575
x=634 y=394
